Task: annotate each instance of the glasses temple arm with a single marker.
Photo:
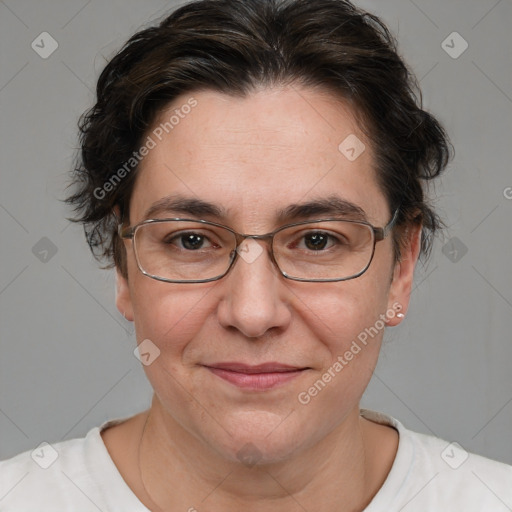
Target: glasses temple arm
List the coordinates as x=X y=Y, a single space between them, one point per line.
x=381 y=233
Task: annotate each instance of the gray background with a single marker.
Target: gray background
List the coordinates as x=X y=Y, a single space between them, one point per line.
x=67 y=360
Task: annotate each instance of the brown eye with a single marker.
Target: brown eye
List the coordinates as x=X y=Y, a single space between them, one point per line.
x=192 y=241
x=189 y=241
x=316 y=241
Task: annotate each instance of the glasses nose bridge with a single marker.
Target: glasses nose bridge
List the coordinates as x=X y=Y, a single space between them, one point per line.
x=268 y=238
x=241 y=237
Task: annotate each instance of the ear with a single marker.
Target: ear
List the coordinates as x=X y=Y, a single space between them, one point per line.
x=123 y=296
x=403 y=275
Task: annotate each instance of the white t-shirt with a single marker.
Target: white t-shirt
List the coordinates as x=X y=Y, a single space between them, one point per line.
x=428 y=474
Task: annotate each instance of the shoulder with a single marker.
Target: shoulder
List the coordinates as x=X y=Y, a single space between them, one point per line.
x=456 y=466
x=76 y=474
x=430 y=473
x=49 y=475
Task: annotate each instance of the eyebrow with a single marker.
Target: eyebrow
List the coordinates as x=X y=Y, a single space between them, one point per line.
x=184 y=205
x=330 y=206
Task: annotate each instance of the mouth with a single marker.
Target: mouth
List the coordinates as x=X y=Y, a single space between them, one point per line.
x=256 y=377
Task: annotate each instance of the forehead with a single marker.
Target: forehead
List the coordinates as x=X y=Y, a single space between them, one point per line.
x=254 y=156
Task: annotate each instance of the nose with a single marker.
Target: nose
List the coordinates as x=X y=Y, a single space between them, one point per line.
x=254 y=295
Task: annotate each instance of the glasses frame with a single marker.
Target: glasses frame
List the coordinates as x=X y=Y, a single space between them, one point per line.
x=379 y=234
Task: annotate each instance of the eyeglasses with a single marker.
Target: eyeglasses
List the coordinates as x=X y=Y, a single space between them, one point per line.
x=198 y=251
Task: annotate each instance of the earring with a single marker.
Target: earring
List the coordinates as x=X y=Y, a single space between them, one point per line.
x=400 y=315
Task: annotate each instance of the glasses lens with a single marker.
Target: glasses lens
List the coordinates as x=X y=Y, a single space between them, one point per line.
x=183 y=250
x=324 y=250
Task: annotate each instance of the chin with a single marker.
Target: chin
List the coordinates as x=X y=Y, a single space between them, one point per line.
x=260 y=438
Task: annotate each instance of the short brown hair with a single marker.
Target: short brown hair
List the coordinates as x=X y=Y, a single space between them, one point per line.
x=234 y=46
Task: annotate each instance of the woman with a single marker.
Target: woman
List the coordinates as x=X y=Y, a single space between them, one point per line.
x=255 y=172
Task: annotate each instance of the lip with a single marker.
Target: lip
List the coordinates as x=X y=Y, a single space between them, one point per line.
x=256 y=377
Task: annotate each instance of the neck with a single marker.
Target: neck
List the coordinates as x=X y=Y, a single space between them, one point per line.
x=339 y=473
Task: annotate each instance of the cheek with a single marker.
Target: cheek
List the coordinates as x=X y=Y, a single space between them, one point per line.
x=347 y=320
x=350 y=329
x=340 y=313
x=168 y=314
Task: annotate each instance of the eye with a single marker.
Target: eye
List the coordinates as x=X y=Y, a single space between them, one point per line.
x=190 y=241
x=317 y=241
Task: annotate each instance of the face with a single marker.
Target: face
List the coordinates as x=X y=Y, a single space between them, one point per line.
x=252 y=158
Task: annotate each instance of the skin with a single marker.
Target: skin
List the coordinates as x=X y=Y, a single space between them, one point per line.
x=254 y=156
